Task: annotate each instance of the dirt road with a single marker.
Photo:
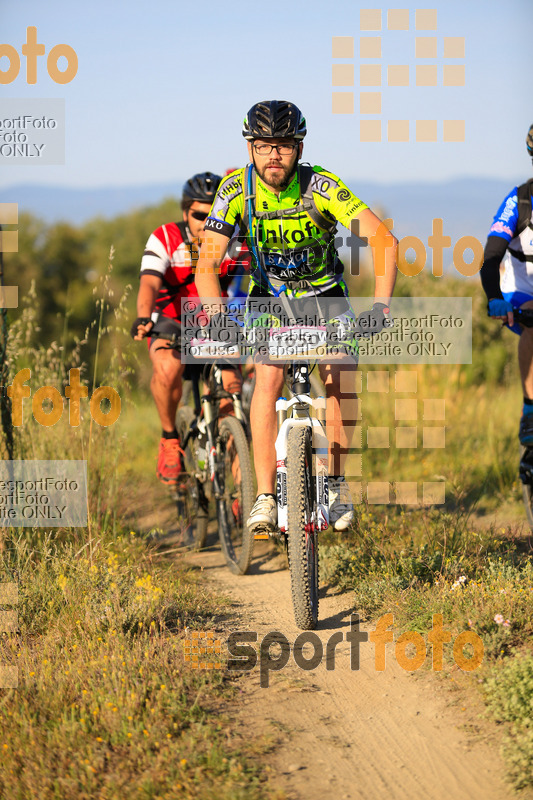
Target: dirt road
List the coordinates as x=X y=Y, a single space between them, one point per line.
x=352 y=733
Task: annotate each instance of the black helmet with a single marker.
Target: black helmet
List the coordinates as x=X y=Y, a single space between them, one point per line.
x=273 y=118
x=529 y=141
x=201 y=187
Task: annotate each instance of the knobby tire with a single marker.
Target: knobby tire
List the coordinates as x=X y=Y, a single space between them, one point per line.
x=236 y=540
x=302 y=543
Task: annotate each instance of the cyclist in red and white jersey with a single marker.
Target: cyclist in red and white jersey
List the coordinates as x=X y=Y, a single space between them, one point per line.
x=166 y=278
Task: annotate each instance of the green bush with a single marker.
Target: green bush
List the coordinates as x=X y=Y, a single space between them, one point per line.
x=509 y=694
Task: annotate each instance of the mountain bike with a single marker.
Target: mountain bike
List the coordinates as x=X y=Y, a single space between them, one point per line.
x=302 y=460
x=302 y=488
x=525 y=317
x=302 y=450
x=302 y=467
x=217 y=461
x=301 y=455
x=217 y=465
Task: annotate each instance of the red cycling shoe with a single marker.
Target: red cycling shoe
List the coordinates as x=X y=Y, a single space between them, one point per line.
x=170 y=465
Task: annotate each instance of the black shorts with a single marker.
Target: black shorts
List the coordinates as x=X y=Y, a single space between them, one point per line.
x=169 y=338
x=307 y=307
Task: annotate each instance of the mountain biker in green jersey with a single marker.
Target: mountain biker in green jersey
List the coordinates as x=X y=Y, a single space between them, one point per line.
x=287 y=212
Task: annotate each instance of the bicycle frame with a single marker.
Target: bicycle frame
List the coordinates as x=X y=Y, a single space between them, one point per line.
x=293 y=412
x=208 y=408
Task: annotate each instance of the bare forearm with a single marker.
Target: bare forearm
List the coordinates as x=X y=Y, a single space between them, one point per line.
x=146 y=300
x=384 y=248
x=212 y=251
x=208 y=284
x=384 y=286
x=206 y=277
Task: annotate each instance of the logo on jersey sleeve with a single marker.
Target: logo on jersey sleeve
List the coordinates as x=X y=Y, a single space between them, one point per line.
x=322 y=185
x=499 y=227
x=218 y=226
x=231 y=189
x=509 y=209
x=343 y=195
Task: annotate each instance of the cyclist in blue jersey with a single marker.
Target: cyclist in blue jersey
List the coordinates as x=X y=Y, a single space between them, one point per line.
x=510 y=240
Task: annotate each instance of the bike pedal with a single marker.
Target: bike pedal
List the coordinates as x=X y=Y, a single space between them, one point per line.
x=262 y=532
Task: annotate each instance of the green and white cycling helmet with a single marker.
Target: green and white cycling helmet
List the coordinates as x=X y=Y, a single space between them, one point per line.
x=271 y=119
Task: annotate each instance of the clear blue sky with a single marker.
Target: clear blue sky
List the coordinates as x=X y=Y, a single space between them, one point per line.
x=163 y=86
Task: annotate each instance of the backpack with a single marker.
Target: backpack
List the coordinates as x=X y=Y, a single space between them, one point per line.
x=524 y=206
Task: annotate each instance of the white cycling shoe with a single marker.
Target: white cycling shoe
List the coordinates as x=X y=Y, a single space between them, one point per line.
x=264 y=515
x=340 y=504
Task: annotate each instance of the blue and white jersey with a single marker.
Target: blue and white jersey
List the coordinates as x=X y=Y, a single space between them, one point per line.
x=518 y=260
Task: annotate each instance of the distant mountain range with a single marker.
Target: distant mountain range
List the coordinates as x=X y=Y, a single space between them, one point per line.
x=465 y=205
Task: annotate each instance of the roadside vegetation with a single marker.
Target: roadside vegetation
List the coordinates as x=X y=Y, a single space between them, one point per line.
x=419 y=563
x=106 y=705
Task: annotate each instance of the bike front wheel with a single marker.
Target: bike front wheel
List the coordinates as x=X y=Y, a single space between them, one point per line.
x=234 y=505
x=191 y=501
x=302 y=536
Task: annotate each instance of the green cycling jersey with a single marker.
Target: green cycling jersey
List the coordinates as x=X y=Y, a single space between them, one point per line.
x=287 y=245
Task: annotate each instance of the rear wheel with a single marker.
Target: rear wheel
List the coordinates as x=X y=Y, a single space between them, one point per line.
x=191 y=501
x=302 y=536
x=234 y=474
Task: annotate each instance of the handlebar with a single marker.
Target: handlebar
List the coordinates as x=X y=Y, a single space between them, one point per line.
x=173 y=338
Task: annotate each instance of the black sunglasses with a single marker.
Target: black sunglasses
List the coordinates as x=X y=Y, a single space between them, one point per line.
x=201 y=216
